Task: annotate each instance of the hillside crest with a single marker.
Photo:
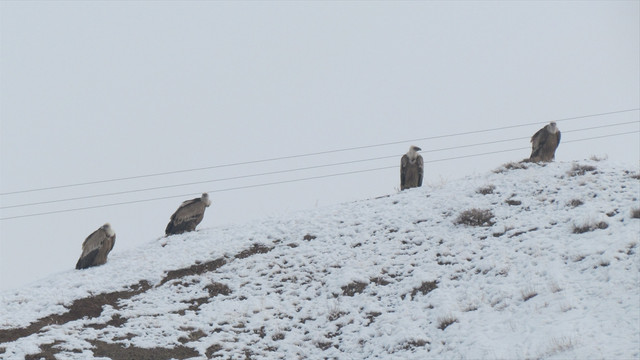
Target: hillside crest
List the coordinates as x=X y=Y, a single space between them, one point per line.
x=527 y=261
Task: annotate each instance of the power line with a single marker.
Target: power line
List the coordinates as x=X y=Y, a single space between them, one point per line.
x=312 y=154
x=288 y=170
x=601 y=126
x=197 y=182
x=298 y=180
x=528 y=148
x=246 y=176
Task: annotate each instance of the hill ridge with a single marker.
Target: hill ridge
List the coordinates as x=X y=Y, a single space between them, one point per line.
x=491 y=266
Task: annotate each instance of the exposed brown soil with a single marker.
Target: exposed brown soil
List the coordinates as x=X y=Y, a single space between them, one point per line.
x=425 y=288
x=255 y=249
x=46 y=353
x=212 y=350
x=216 y=289
x=120 y=352
x=91 y=307
x=512 y=202
x=355 y=287
x=116 y=321
x=195 y=269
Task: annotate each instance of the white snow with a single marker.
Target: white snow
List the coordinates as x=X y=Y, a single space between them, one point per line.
x=525 y=287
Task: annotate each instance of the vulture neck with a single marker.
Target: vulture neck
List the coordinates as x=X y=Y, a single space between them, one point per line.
x=413 y=155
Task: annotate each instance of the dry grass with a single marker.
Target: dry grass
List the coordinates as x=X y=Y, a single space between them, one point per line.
x=589 y=226
x=554 y=287
x=630 y=248
x=512 y=166
x=415 y=344
x=486 y=190
x=353 y=288
x=560 y=345
x=575 y=203
x=444 y=322
x=598 y=158
x=475 y=217
x=528 y=293
x=578 y=170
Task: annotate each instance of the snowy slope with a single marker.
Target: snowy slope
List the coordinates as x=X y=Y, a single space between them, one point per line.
x=553 y=274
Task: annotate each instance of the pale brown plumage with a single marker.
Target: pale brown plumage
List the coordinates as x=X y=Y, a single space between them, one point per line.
x=96 y=247
x=189 y=214
x=544 y=143
x=411 y=169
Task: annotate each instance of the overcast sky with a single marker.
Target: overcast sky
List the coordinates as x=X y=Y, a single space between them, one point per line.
x=94 y=91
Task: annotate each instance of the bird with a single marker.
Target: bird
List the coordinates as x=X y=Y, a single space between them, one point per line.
x=96 y=247
x=544 y=143
x=188 y=215
x=411 y=169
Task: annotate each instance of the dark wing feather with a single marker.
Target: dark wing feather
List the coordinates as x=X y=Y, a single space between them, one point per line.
x=403 y=170
x=87 y=260
x=169 y=229
x=537 y=142
x=421 y=170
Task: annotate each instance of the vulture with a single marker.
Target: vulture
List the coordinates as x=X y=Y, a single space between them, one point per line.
x=411 y=169
x=96 y=247
x=188 y=215
x=544 y=143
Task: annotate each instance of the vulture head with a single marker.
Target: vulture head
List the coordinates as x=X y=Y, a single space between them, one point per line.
x=107 y=229
x=205 y=199
x=413 y=152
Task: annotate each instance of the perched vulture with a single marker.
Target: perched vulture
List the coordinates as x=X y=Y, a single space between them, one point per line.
x=411 y=169
x=188 y=215
x=544 y=143
x=96 y=247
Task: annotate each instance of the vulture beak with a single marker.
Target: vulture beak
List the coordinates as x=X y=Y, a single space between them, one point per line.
x=417 y=148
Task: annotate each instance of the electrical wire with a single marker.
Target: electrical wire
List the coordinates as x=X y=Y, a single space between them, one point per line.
x=311 y=154
x=288 y=170
x=298 y=179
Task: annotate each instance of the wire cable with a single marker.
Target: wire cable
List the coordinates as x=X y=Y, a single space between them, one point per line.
x=298 y=179
x=311 y=154
x=288 y=170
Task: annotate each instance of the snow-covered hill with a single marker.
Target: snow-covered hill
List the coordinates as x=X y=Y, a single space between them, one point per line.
x=525 y=262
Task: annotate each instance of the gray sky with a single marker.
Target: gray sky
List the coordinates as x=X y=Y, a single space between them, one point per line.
x=102 y=90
